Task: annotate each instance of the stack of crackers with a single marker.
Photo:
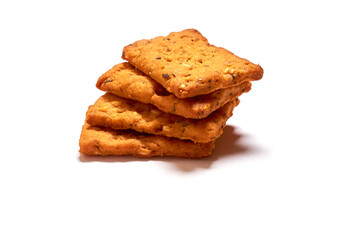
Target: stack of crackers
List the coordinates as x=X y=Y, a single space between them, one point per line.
x=172 y=98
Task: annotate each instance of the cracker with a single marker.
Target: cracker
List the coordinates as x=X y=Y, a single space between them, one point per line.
x=105 y=141
x=187 y=65
x=126 y=81
x=119 y=113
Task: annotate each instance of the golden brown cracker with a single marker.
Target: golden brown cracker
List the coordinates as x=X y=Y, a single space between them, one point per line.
x=105 y=141
x=185 y=64
x=126 y=81
x=119 y=113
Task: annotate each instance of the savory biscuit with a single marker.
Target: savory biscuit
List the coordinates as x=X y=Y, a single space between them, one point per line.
x=106 y=141
x=126 y=81
x=187 y=65
x=119 y=113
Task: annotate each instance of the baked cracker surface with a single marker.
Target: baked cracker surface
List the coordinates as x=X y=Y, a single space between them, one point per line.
x=119 y=113
x=126 y=81
x=185 y=64
x=102 y=141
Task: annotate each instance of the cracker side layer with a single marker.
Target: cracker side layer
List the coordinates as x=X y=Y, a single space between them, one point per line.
x=126 y=81
x=187 y=65
x=105 y=141
x=119 y=113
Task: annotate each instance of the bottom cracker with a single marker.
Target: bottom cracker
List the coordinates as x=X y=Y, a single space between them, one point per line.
x=106 y=141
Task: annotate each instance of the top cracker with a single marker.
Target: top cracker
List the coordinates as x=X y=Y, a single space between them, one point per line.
x=187 y=65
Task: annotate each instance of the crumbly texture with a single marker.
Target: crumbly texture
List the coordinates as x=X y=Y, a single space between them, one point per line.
x=187 y=65
x=105 y=141
x=126 y=81
x=119 y=113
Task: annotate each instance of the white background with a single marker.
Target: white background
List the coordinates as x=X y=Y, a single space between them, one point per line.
x=287 y=166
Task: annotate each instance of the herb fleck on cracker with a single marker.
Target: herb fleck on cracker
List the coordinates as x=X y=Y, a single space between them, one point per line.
x=108 y=80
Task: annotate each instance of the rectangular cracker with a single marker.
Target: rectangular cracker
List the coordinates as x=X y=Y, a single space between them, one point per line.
x=126 y=81
x=119 y=113
x=187 y=65
x=106 y=141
